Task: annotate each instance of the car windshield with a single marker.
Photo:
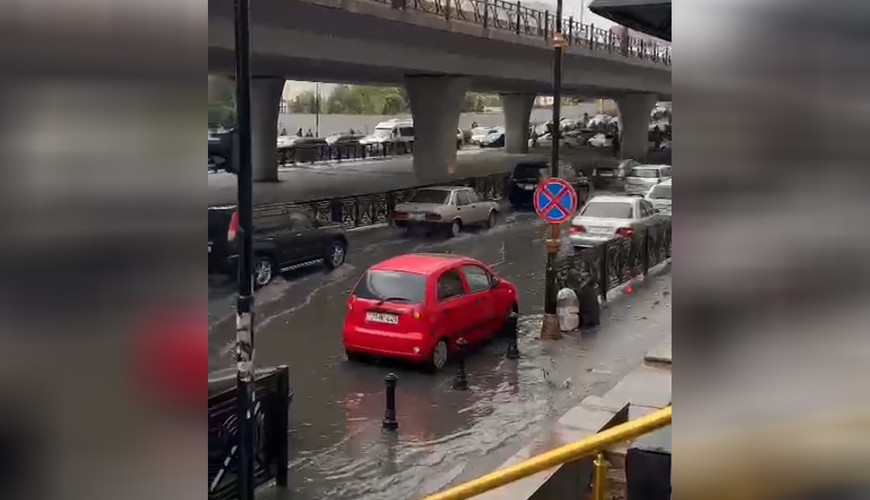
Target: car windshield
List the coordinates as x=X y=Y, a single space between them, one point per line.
x=382 y=132
x=393 y=286
x=435 y=196
x=608 y=210
x=644 y=173
x=528 y=171
x=661 y=192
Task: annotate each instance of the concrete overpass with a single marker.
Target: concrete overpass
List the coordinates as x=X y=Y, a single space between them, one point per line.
x=438 y=50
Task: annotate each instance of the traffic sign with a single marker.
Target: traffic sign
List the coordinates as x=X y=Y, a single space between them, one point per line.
x=555 y=201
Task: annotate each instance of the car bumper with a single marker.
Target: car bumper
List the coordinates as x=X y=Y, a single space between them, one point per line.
x=424 y=224
x=633 y=189
x=588 y=240
x=412 y=346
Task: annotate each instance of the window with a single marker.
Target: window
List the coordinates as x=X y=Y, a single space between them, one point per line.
x=300 y=220
x=406 y=131
x=478 y=279
x=661 y=192
x=462 y=198
x=608 y=210
x=646 y=209
x=450 y=285
x=434 y=196
x=644 y=173
x=528 y=171
x=567 y=171
x=472 y=196
x=666 y=172
x=392 y=286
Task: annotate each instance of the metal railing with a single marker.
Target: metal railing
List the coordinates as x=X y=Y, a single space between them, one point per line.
x=271 y=399
x=341 y=152
x=615 y=262
x=595 y=444
x=517 y=18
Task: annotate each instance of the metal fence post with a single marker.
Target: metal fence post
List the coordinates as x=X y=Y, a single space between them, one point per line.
x=603 y=278
x=592 y=36
x=646 y=252
x=546 y=23
x=571 y=30
x=283 y=455
x=519 y=16
x=447 y=9
x=486 y=13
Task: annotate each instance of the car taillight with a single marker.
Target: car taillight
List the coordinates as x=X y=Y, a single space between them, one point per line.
x=399 y=215
x=433 y=217
x=624 y=232
x=233 y=231
x=577 y=230
x=416 y=314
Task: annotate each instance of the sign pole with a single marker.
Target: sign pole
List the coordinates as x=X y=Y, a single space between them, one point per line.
x=555 y=202
x=245 y=302
x=550 y=329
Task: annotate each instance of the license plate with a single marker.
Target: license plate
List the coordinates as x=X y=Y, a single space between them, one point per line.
x=415 y=217
x=599 y=230
x=605 y=174
x=529 y=187
x=390 y=319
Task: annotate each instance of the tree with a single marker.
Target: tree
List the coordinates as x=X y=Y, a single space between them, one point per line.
x=222 y=109
x=304 y=103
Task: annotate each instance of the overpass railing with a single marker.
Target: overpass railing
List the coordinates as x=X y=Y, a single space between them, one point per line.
x=523 y=20
x=593 y=445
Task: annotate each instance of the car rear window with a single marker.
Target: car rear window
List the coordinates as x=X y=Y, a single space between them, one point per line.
x=644 y=173
x=528 y=171
x=430 y=196
x=661 y=192
x=608 y=210
x=392 y=285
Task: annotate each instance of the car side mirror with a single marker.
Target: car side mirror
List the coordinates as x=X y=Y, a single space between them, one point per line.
x=495 y=282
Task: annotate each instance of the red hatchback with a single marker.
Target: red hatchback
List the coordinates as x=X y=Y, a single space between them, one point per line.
x=414 y=307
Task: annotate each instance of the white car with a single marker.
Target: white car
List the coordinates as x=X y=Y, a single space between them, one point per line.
x=643 y=177
x=660 y=196
x=606 y=218
x=600 y=140
x=480 y=134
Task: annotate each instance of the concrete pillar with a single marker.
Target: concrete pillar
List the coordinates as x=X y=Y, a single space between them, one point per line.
x=634 y=114
x=265 y=99
x=517 y=110
x=436 y=102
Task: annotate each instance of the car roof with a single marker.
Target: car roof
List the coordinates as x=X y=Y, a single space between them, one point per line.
x=615 y=199
x=420 y=263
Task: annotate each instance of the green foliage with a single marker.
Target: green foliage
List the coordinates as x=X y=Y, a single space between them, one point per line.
x=222 y=110
x=366 y=100
x=304 y=103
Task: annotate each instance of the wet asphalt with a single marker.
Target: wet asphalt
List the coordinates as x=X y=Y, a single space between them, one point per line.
x=337 y=447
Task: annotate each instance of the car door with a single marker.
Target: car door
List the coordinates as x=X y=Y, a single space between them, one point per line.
x=484 y=320
x=304 y=244
x=479 y=209
x=273 y=232
x=647 y=214
x=453 y=307
x=463 y=206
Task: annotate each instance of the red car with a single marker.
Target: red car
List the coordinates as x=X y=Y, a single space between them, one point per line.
x=414 y=307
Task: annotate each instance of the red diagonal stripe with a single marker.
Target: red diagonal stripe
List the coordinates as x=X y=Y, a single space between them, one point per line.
x=554 y=201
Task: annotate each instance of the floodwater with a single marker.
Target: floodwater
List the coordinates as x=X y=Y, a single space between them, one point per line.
x=337 y=447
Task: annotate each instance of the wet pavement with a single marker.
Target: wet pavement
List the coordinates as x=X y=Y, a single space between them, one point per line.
x=338 y=450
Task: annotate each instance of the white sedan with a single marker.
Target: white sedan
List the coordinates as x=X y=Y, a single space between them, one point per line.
x=601 y=141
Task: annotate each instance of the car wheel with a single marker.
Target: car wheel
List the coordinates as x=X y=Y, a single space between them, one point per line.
x=264 y=271
x=354 y=356
x=438 y=358
x=335 y=255
x=493 y=220
x=456 y=228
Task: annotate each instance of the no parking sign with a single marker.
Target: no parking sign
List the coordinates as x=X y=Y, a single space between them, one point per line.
x=555 y=201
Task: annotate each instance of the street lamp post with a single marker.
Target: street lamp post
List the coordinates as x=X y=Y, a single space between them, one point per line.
x=550 y=327
x=245 y=301
x=317 y=109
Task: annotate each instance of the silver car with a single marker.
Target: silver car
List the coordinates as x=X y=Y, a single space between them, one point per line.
x=643 y=177
x=607 y=217
x=660 y=197
x=445 y=207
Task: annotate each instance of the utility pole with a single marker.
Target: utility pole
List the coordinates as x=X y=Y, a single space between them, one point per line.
x=317 y=110
x=245 y=301
x=550 y=329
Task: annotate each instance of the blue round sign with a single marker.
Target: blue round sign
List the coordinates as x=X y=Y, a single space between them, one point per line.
x=555 y=201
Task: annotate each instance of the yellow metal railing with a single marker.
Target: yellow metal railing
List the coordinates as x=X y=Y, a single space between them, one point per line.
x=568 y=453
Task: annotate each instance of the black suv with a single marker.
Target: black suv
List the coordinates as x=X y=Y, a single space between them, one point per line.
x=283 y=240
x=526 y=177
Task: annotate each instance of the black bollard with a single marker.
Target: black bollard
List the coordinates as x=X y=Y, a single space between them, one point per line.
x=461 y=382
x=390 y=422
x=513 y=351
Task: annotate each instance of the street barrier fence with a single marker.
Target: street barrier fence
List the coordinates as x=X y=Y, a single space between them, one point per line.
x=271 y=400
x=615 y=262
x=311 y=153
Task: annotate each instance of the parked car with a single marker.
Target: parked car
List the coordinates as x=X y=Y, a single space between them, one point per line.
x=282 y=241
x=303 y=149
x=396 y=131
x=344 y=139
x=607 y=217
x=601 y=140
x=642 y=177
x=495 y=139
x=660 y=196
x=219 y=149
x=609 y=176
x=527 y=175
x=449 y=208
x=415 y=307
x=479 y=135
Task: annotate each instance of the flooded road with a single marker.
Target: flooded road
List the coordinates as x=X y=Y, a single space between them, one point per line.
x=338 y=450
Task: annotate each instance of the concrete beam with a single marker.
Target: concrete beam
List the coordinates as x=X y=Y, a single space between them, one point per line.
x=634 y=113
x=517 y=109
x=436 y=102
x=265 y=100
